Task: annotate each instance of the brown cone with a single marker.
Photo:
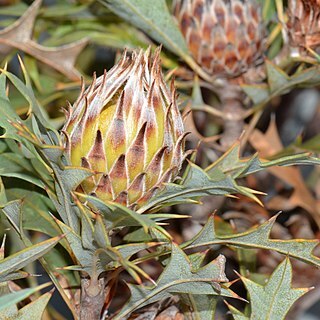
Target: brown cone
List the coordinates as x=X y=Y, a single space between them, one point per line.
x=226 y=37
x=304 y=24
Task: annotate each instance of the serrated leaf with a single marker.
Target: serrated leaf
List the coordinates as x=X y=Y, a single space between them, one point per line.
x=20 y=259
x=231 y=163
x=12 y=211
x=15 y=297
x=219 y=178
x=18 y=35
x=308 y=76
x=177 y=277
x=154 y=18
x=87 y=227
x=273 y=300
x=138 y=235
x=71 y=177
x=257 y=237
x=197 y=184
x=279 y=83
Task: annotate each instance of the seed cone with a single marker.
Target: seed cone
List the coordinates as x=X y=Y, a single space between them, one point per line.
x=226 y=37
x=127 y=127
x=304 y=23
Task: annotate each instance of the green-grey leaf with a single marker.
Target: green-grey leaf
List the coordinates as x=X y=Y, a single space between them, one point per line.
x=258 y=93
x=35 y=309
x=154 y=18
x=17 y=166
x=7 y=111
x=20 y=259
x=279 y=83
x=128 y=250
x=257 y=237
x=84 y=256
x=9 y=311
x=15 y=297
x=203 y=307
x=66 y=180
x=231 y=163
x=236 y=314
x=197 y=184
x=273 y=300
x=35 y=210
x=120 y=216
x=28 y=94
x=14 y=276
x=12 y=210
x=178 y=277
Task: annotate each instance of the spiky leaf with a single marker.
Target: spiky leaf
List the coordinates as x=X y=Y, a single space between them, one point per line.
x=179 y=277
x=273 y=300
x=257 y=237
x=219 y=178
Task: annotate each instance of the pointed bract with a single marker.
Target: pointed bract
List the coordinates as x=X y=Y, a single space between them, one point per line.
x=127 y=128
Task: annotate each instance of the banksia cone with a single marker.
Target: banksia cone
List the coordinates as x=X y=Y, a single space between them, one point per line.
x=127 y=128
x=226 y=37
x=304 y=23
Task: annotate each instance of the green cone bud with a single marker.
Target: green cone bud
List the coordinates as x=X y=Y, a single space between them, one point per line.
x=127 y=128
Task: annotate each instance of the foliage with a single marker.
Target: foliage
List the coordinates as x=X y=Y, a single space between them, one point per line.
x=87 y=246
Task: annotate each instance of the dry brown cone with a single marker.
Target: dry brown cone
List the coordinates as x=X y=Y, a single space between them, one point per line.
x=227 y=39
x=224 y=36
x=304 y=24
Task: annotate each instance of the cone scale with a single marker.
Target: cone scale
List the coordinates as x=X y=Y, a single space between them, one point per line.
x=127 y=128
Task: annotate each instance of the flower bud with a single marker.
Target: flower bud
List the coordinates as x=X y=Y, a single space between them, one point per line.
x=304 y=24
x=225 y=37
x=127 y=128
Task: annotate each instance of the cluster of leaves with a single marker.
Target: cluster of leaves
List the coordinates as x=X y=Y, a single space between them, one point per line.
x=38 y=195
